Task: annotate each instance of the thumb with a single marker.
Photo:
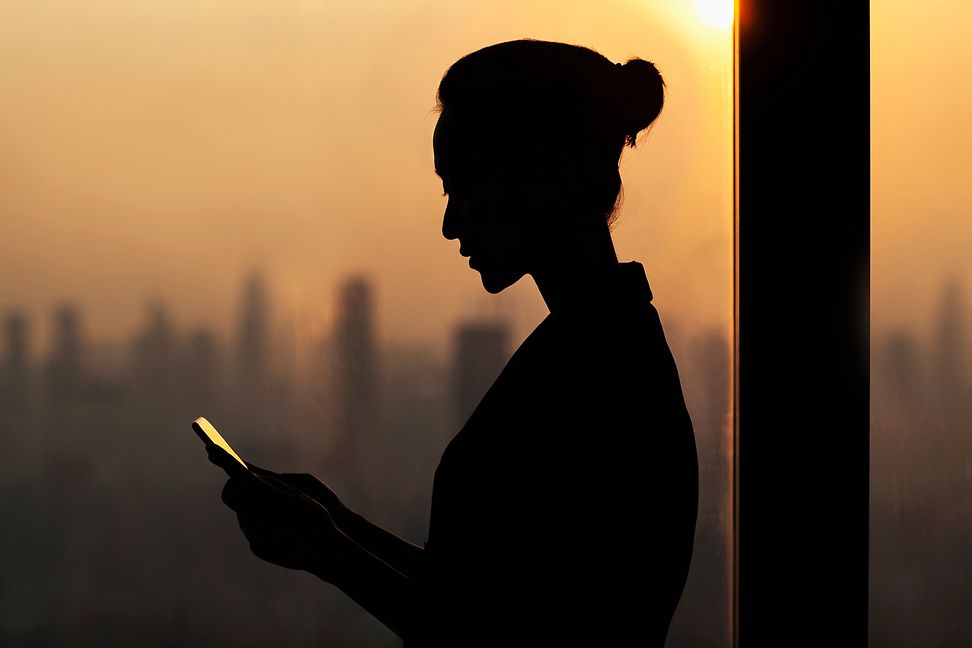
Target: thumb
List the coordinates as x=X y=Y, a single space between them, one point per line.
x=263 y=472
x=303 y=481
x=224 y=460
x=313 y=487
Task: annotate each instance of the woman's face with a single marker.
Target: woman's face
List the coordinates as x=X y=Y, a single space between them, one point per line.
x=490 y=214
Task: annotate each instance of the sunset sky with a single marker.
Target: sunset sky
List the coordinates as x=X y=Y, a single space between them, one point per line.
x=921 y=157
x=161 y=150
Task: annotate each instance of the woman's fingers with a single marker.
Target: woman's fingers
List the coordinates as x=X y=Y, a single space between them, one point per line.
x=305 y=482
x=312 y=486
x=224 y=460
x=255 y=535
x=246 y=524
x=263 y=472
x=215 y=454
x=235 y=494
x=246 y=491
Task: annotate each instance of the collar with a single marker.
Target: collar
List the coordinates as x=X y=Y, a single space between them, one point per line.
x=626 y=289
x=634 y=281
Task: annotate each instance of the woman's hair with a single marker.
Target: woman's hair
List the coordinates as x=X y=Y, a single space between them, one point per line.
x=535 y=110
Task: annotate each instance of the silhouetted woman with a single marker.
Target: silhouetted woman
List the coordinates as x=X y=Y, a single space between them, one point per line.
x=563 y=512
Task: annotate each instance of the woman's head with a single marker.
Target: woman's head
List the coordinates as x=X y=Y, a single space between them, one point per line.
x=527 y=145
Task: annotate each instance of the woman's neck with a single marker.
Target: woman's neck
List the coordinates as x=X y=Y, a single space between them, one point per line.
x=576 y=272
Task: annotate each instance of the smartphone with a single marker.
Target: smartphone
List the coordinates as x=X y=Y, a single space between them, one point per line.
x=209 y=435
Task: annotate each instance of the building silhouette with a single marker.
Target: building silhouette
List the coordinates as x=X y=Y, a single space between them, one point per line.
x=900 y=374
x=354 y=363
x=65 y=372
x=949 y=370
x=481 y=350
x=15 y=377
x=154 y=358
x=706 y=376
x=200 y=373
x=249 y=400
x=253 y=336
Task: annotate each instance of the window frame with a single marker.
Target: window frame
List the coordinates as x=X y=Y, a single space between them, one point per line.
x=801 y=349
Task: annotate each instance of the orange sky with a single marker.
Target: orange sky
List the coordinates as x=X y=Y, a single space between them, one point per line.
x=921 y=157
x=161 y=149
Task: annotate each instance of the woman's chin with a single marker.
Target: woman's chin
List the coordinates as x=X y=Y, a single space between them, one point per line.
x=493 y=289
x=494 y=284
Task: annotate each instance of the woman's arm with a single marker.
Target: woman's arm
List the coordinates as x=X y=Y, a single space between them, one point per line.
x=286 y=526
x=391 y=549
x=371 y=583
x=397 y=552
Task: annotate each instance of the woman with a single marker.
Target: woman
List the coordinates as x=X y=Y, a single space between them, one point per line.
x=565 y=508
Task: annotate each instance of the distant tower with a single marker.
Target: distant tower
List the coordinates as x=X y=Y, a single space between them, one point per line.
x=949 y=369
x=154 y=356
x=200 y=371
x=899 y=373
x=708 y=381
x=706 y=377
x=355 y=370
x=253 y=341
x=64 y=369
x=481 y=352
x=16 y=376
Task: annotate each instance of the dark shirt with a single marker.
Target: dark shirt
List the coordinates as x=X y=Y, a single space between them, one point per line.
x=564 y=510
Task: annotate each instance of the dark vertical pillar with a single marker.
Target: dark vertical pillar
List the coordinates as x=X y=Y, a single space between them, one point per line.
x=802 y=307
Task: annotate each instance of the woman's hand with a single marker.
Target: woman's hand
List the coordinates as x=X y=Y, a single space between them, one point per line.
x=283 y=525
x=307 y=484
x=290 y=528
x=315 y=489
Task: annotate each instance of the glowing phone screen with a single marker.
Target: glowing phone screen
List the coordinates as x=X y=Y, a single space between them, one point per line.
x=208 y=434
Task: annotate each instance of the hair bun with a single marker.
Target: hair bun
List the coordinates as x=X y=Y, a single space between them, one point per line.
x=640 y=98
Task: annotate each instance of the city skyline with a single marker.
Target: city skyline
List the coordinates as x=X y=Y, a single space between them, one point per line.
x=110 y=460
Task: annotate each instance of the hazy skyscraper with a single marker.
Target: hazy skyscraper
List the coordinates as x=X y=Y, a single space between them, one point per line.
x=707 y=390
x=899 y=377
x=154 y=356
x=252 y=366
x=200 y=370
x=355 y=366
x=16 y=370
x=945 y=428
x=64 y=369
x=948 y=355
x=481 y=352
x=706 y=378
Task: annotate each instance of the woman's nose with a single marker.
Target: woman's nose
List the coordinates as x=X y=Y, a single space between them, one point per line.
x=452 y=220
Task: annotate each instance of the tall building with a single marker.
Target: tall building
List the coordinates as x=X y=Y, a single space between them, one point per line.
x=947 y=445
x=153 y=359
x=481 y=350
x=706 y=378
x=200 y=370
x=64 y=373
x=253 y=335
x=355 y=360
x=898 y=377
x=949 y=370
x=14 y=384
x=706 y=385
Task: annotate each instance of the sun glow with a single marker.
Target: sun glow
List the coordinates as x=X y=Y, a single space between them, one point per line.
x=717 y=13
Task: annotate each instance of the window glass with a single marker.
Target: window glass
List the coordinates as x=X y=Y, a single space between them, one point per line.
x=921 y=450
x=228 y=208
